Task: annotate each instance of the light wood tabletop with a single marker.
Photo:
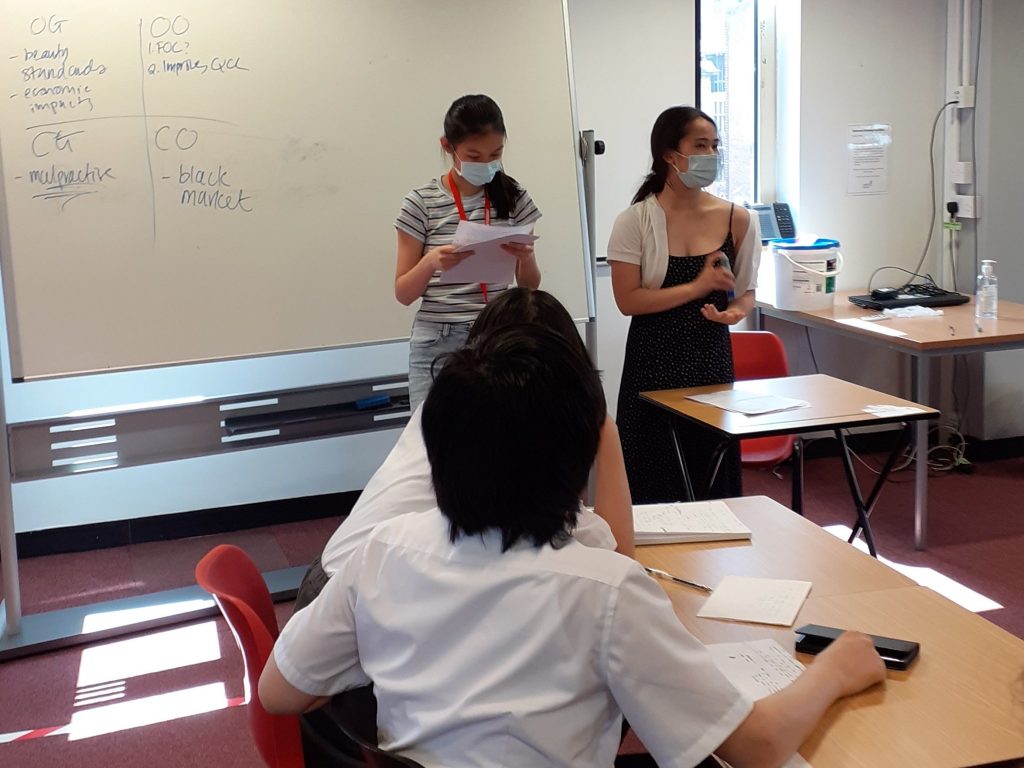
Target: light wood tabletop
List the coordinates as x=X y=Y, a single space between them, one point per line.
x=783 y=545
x=959 y=704
x=833 y=403
x=956 y=329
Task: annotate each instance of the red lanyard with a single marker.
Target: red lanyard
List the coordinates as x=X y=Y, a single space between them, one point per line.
x=462 y=213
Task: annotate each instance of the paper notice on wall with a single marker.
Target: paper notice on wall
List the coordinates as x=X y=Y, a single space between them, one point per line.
x=868 y=158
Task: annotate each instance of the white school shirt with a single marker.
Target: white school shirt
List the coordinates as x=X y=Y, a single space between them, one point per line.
x=524 y=658
x=640 y=236
x=402 y=485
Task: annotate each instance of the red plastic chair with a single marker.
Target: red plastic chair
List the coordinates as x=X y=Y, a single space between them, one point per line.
x=237 y=586
x=760 y=355
x=345 y=738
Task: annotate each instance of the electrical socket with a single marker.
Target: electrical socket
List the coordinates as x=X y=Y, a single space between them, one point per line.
x=963 y=95
x=968 y=206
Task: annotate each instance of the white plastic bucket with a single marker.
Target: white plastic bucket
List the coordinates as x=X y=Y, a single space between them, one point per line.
x=805 y=273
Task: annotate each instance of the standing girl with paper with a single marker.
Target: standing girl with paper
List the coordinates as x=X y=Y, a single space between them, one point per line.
x=683 y=267
x=477 y=189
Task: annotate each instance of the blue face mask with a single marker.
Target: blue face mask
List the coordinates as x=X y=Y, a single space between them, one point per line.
x=701 y=171
x=478 y=174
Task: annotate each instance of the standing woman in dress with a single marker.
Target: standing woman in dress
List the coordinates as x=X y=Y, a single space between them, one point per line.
x=476 y=188
x=683 y=267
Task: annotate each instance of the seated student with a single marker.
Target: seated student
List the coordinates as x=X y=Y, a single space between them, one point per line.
x=402 y=483
x=492 y=637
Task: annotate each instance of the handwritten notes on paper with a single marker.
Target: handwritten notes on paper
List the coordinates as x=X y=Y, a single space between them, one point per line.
x=762 y=601
x=758 y=668
x=683 y=522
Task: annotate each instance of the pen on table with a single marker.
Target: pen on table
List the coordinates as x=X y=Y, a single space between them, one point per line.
x=677 y=580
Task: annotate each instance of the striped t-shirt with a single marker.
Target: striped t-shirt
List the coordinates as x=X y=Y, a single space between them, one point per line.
x=430 y=215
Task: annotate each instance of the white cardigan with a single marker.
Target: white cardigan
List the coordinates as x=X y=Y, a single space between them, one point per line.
x=640 y=236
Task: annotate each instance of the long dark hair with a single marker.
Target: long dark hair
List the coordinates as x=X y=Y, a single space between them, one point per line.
x=528 y=306
x=474 y=115
x=669 y=129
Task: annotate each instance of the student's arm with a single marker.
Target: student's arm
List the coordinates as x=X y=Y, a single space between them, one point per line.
x=415 y=268
x=746 y=232
x=780 y=723
x=633 y=299
x=527 y=271
x=279 y=697
x=612 y=499
x=316 y=655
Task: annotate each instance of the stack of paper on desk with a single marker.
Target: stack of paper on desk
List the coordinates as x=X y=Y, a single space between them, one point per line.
x=693 y=521
x=749 y=403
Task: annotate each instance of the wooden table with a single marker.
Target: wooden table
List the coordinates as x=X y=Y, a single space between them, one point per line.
x=956 y=332
x=957 y=705
x=834 y=404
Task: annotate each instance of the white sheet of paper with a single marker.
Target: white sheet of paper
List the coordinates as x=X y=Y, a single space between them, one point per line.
x=892 y=410
x=751 y=404
x=868 y=146
x=762 y=601
x=759 y=668
x=856 y=322
x=490 y=263
x=689 y=521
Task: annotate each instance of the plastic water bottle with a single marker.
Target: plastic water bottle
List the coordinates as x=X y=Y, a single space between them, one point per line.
x=987 y=296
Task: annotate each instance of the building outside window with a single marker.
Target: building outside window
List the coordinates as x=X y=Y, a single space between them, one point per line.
x=729 y=91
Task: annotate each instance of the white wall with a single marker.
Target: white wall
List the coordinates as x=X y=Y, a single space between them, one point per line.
x=873 y=61
x=1000 y=107
x=631 y=61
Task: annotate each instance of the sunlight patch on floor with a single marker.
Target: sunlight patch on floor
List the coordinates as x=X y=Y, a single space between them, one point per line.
x=136 y=713
x=927 y=577
x=146 y=654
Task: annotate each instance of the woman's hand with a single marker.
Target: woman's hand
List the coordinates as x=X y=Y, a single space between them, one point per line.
x=730 y=316
x=714 y=276
x=520 y=250
x=444 y=257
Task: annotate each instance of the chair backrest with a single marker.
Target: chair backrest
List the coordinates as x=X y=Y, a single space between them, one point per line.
x=758 y=355
x=228 y=574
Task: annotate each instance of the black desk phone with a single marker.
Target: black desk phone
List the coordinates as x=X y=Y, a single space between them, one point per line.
x=776 y=220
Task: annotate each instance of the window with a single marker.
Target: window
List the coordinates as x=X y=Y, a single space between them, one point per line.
x=729 y=91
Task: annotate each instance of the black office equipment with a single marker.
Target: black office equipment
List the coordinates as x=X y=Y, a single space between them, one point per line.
x=897 y=654
x=916 y=294
x=776 y=220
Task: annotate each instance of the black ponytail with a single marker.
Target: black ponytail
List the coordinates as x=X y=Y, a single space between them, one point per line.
x=669 y=129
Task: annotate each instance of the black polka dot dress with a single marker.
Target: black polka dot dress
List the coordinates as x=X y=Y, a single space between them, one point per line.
x=667 y=350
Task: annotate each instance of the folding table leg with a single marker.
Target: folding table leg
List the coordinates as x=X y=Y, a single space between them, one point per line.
x=715 y=464
x=864 y=508
x=687 y=484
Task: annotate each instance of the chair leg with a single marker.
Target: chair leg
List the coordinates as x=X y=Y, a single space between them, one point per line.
x=797 y=497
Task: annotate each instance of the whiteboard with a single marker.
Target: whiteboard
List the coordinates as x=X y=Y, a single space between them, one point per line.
x=219 y=179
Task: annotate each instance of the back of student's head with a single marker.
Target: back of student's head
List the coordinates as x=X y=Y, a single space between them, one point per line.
x=511 y=426
x=528 y=305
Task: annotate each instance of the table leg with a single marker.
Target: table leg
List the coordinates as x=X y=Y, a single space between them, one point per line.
x=858 y=502
x=865 y=507
x=687 y=484
x=919 y=375
x=715 y=464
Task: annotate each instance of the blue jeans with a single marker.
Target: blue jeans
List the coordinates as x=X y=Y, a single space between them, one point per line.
x=428 y=342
